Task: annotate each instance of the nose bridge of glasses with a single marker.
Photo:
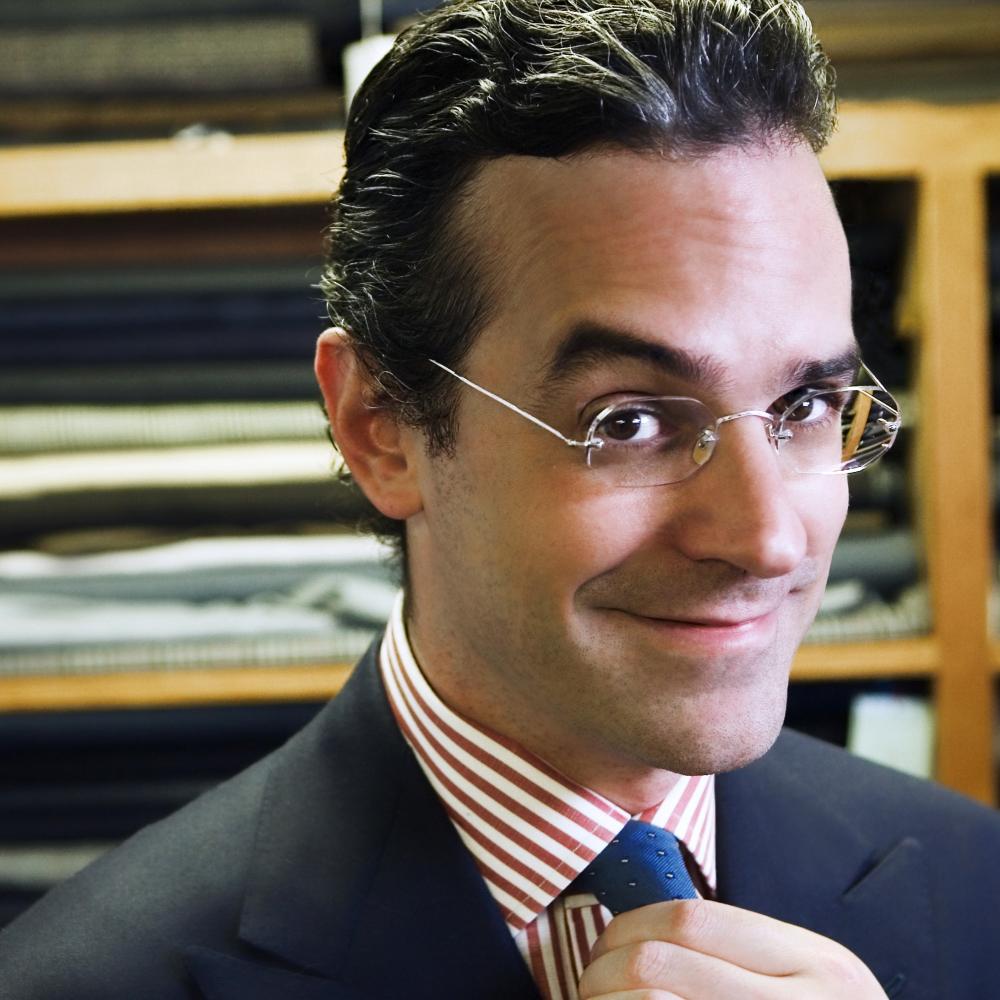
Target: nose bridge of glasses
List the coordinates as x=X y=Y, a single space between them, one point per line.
x=708 y=439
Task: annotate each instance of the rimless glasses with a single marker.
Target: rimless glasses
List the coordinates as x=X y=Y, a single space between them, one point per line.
x=657 y=440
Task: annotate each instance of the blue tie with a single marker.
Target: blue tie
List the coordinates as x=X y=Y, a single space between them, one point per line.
x=642 y=865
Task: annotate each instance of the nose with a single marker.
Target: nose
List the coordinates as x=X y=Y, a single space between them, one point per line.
x=740 y=506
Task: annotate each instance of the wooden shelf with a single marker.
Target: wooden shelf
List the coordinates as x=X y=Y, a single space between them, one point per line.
x=172 y=688
x=162 y=174
x=909 y=139
x=858 y=661
x=946 y=151
x=887 y=139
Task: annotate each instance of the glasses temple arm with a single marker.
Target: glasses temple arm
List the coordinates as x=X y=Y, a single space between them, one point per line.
x=876 y=380
x=510 y=406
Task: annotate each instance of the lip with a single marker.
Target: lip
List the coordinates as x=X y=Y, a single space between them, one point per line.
x=753 y=629
x=708 y=621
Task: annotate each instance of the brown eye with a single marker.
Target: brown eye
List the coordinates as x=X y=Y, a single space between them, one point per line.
x=622 y=426
x=811 y=407
x=801 y=412
x=632 y=425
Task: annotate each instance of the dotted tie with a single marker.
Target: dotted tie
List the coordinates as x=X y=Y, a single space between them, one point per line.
x=642 y=865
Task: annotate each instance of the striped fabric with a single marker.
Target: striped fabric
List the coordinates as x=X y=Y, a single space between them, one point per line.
x=530 y=829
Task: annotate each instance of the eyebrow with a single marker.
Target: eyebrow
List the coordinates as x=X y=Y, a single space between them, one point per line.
x=844 y=365
x=589 y=343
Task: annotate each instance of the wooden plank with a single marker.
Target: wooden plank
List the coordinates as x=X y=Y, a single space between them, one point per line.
x=855 y=661
x=954 y=467
x=162 y=689
x=217 y=171
x=889 y=139
x=883 y=139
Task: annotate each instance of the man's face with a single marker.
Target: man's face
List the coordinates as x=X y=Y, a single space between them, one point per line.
x=609 y=628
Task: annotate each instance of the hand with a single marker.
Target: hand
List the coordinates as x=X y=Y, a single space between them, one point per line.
x=702 y=950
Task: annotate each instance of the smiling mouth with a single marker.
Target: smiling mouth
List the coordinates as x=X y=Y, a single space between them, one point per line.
x=707 y=622
x=717 y=631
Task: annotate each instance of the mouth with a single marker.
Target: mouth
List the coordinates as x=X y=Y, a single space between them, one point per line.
x=743 y=629
x=711 y=622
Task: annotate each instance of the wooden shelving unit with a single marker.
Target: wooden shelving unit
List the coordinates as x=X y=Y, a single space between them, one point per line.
x=946 y=151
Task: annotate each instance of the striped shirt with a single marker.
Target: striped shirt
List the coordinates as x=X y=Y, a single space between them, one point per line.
x=530 y=829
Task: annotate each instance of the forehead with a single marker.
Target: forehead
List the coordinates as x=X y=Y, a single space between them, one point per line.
x=737 y=258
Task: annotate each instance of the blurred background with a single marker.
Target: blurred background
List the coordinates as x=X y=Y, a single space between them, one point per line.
x=181 y=584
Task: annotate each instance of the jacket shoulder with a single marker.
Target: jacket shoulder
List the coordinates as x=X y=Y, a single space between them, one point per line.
x=881 y=798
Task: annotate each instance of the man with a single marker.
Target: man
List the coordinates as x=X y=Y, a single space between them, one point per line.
x=593 y=368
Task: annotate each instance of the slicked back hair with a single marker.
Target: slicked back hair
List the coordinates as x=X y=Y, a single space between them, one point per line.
x=480 y=79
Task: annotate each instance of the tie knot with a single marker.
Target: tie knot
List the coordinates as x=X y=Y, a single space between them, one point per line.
x=642 y=865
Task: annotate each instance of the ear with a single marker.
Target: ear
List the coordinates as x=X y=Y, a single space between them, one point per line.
x=379 y=452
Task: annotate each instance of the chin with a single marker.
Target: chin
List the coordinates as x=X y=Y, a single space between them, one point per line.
x=716 y=758
x=715 y=746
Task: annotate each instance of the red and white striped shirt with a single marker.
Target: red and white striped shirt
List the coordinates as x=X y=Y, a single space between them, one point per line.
x=531 y=830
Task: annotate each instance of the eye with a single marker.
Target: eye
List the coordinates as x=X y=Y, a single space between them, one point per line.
x=806 y=411
x=810 y=406
x=630 y=424
x=653 y=423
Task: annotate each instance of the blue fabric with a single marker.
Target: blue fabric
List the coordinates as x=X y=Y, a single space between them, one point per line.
x=642 y=865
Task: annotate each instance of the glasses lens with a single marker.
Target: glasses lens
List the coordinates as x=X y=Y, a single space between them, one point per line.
x=841 y=430
x=653 y=441
x=649 y=441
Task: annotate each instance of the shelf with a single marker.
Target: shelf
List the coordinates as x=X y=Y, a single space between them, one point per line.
x=171 y=689
x=877 y=659
x=219 y=171
x=885 y=139
x=947 y=150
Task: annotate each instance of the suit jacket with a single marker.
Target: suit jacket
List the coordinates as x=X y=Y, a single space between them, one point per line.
x=330 y=871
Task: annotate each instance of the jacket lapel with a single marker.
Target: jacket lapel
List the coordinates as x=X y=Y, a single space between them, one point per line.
x=359 y=887
x=785 y=851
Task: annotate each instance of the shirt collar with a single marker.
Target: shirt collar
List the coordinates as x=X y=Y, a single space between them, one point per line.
x=531 y=829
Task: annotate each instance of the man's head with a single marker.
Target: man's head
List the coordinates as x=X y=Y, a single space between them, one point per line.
x=570 y=202
x=479 y=80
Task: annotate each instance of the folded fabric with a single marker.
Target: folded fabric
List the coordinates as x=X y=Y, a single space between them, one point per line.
x=886 y=562
x=32 y=429
x=342 y=646
x=237 y=379
x=319 y=608
x=909 y=615
x=198 y=554
x=255 y=462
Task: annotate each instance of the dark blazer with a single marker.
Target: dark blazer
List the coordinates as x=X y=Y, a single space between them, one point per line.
x=329 y=871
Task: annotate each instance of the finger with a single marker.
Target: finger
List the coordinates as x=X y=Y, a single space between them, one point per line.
x=660 y=967
x=740 y=937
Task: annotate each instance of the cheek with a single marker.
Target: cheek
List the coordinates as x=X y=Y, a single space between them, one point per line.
x=582 y=530
x=823 y=510
x=552 y=529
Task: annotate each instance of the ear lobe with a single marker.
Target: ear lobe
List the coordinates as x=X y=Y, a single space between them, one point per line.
x=379 y=452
